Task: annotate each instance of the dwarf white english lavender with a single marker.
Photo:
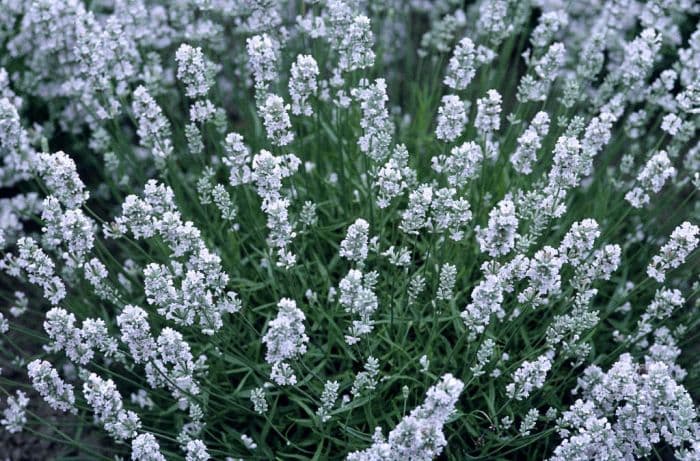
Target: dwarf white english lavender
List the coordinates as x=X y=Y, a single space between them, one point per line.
x=268 y=173
x=59 y=173
x=439 y=211
x=354 y=245
x=175 y=368
x=671 y=124
x=595 y=137
x=106 y=402
x=450 y=213
x=222 y=200
x=54 y=390
x=18 y=154
x=376 y=124
x=651 y=179
x=663 y=305
x=451 y=119
x=70 y=228
x=394 y=177
x=544 y=278
x=285 y=338
x=612 y=417
x=355 y=47
x=639 y=58
x=145 y=447
x=483 y=357
x=486 y=299
x=32 y=262
x=276 y=120
x=462 y=165
x=684 y=239
x=303 y=84
x=97 y=275
x=136 y=333
x=195 y=450
x=163 y=109
x=464 y=62
x=419 y=435
x=488 y=114
x=79 y=344
x=529 y=143
x=14 y=416
x=263 y=51
x=568 y=164
x=416 y=215
x=548 y=25
x=547 y=67
x=357 y=297
x=498 y=239
x=328 y=399
x=448 y=278
x=153 y=129
x=257 y=397
x=529 y=377
x=579 y=240
x=237 y=159
x=194 y=70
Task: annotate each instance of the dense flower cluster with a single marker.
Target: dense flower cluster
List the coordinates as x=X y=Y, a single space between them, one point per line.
x=265 y=229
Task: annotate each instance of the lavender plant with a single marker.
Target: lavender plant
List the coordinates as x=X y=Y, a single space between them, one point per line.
x=334 y=229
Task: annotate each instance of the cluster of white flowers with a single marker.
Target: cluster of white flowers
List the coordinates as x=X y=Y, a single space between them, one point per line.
x=376 y=124
x=488 y=114
x=394 y=177
x=59 y=173
x=175 y=368
x=303 y=84
x=624 y=412
x=136 y=333
x=651 y=179
x=358 y=298
x=46 y=381
x=276 y=120
x=529 y=143
x=202 y=294
x=194 y=70
x=145 y=447
x=14 y=416
x=436 y=210
x=18 y=154
x=462 y=165
x=153 y=127
x=328 y=399
x=237 y=159
x=79 y=344
x=267 y=173
x=452 y=118
x=285 y=339
x=106 y=401
x=354 y=245
x=262 y=55
x=448 y=278
x=419 y=435
x=544 y=278
x=684 y=240
x=70 y=228
x=464 y=62
x=551 y=124
x=488 y=295
x=498 y=239
x=355 y=47
x=529 y=377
